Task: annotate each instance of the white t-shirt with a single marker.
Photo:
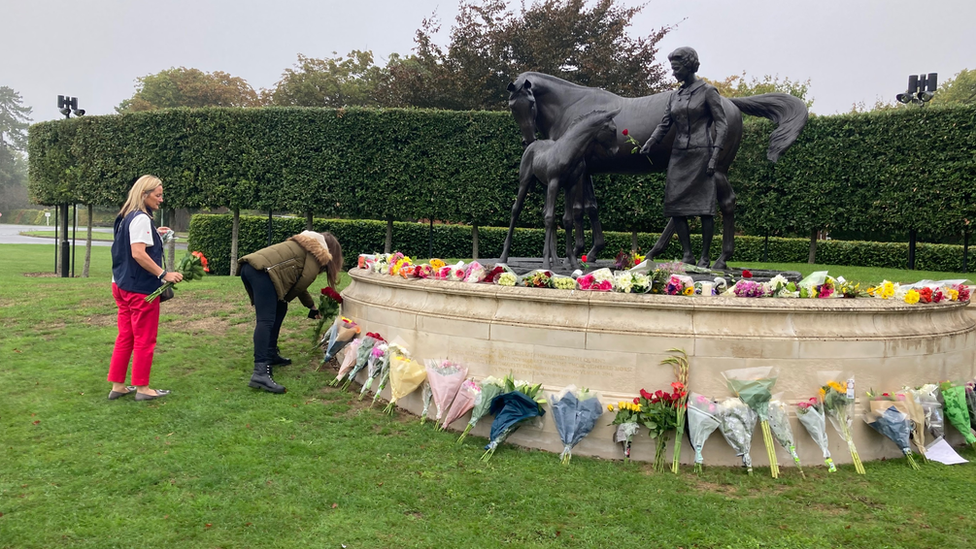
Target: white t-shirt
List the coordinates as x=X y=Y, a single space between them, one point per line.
x=140 y=230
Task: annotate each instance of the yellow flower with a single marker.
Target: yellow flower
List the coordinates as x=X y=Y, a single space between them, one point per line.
x=622 y=404
x=837 y=387
x=953 y=295
x=437 y=263
x=609 y=407
x=911 y=297
x=690 y=290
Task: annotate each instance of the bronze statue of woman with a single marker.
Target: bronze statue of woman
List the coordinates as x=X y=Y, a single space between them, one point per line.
x=695 y=110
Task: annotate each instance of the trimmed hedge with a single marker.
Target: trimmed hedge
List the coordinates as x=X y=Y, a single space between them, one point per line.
x=211 y=234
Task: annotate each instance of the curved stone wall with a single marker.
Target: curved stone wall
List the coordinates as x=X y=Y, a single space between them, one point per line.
x=613 y=343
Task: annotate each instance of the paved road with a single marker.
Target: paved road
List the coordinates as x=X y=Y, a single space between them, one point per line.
x=10 y=234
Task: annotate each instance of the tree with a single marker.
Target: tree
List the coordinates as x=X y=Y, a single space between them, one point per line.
x=14 y=120
x=958 y=90
x=489 y=45
x=183 y=87
x=333 y=82
x=737 y=86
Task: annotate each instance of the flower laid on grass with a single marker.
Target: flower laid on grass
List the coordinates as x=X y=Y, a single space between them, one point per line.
x=374 y=366
x=490 y=388
x=519 y=403
x=659 y=414
x=342 y=331
x=810 y=414
x=575 y=412
x=192 y=267
x=679 y=362
x=348 y=360
x=702 y=422
x=917 y=414
x=330 y=305
x=405 y=376
x=838 y=402
x=927 y=397
x=737 y=421
x=463 y=403
x=363 y=355
x=779 y=424
x=956 y=410
x=445 y=379
x=426 y=396
x=754 y=386
x=626 y=420
x=393 y=351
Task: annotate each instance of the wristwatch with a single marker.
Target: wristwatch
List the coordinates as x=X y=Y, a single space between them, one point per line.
x=162 y=274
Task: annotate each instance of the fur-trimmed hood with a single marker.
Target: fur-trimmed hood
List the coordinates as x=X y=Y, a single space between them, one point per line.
x=313 y=243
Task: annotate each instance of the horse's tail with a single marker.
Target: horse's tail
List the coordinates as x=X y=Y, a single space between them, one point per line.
x=789 y=114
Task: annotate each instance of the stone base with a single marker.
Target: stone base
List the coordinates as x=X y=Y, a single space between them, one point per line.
x=614 y=343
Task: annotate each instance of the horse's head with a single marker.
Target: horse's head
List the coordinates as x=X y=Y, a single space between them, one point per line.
x=606 y=132
x=522 y=102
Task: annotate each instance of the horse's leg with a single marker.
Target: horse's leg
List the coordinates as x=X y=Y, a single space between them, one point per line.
x=578 y=209
x=662 y=241
x=549 y=214
x=726 y=202
x=571 y=199
x=592 y=211
x=525 y=181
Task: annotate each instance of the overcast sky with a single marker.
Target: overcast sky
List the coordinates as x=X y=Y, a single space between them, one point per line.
x=851 y=50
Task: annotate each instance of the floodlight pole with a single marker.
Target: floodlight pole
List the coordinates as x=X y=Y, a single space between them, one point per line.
x=66 y=106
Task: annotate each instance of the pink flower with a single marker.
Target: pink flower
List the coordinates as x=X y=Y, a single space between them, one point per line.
x=606 y=286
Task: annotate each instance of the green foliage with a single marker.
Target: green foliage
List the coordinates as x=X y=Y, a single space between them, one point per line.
x=333 y=82
x=958 y=90
x=183 y=87
x=737 y=86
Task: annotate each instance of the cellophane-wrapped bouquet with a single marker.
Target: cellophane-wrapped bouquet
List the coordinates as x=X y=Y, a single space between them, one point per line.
x=889 y=416
x=463 y=402
x=374 y=366
x=956 y=410
x=600 y=280
x=474 y=272
x=363 y=354
x=561 y=282
x=490 y=388
x=779 y=424
x=539 y=278
x=754 y=386
x=837 y=397
x=395 y=350
x=927 y=397
x=502 y=275
x=737 y=422
x=575 y=413
x=631 y=283
x=678 y=284
x=627 y=422
x=445 y=378
x=702 y=422
x=810 y=414
x=519 y=403
x=659 y=414
x=405 y=376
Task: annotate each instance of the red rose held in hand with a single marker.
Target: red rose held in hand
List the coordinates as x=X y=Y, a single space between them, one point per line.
x=625 y=131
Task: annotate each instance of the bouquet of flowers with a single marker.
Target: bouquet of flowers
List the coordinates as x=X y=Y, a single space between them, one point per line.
x=192 y=267
x=381 y=263
x=779 y=286
x=956 y=410
x=458 y=272
x=374 y=366
x=445 y=378
x=426 y=395
x=443 y=272
x=366 y=261
x=838 y=401
x=748 y=288
x=348 y=360
x=849 y=289
x=659 y=414
x=631 y=283
x=539 y=278
x=600 y=280
x=817 y=285
x=679 y=285
x=627 y=260
x=916 y=414
x=490 y=388
x=495 y=274
x=424 y=270
x=679 y=362
x=395 y=350
x=405 y=376
x=888 y=416
x=737 y=421
x=561 y=282
x=754 y=387
x=702 y=422
x=463 y=402
x=407 y=271
x=362 y=358
x=342 y=331
x=474 y=272
x=779 y=424
x=885 y=290
x=518 y=403
x=626 y=420
x=927 y=398
x=811 y=415
x=574 y=412
x=330 y=305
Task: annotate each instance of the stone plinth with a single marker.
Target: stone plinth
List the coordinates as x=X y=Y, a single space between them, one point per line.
x=613 y=343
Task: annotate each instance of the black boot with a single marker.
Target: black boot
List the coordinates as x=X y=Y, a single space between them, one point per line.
x=277 y=359
x=261 y=379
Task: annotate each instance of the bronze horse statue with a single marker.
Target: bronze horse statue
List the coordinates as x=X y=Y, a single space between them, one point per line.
x=560 y=165
x=548 y=105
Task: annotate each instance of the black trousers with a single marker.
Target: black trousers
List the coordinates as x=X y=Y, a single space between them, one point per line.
x=270 y=312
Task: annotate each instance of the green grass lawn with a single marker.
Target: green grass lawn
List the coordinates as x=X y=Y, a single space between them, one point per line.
x=217 y=464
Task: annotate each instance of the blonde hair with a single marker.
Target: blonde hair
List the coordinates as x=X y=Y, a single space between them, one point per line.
x=138 y=193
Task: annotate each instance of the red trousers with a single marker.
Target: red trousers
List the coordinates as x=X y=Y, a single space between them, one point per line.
x=138 y=324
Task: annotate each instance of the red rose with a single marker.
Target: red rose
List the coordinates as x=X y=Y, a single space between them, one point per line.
x=746 y=273
x=332 y=294
x=584 y=258
x=636 y=400
x=645 y=394
x=625 y=131
x=677 y=386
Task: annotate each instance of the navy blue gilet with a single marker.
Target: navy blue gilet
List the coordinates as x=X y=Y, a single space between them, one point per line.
x=129 y=275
